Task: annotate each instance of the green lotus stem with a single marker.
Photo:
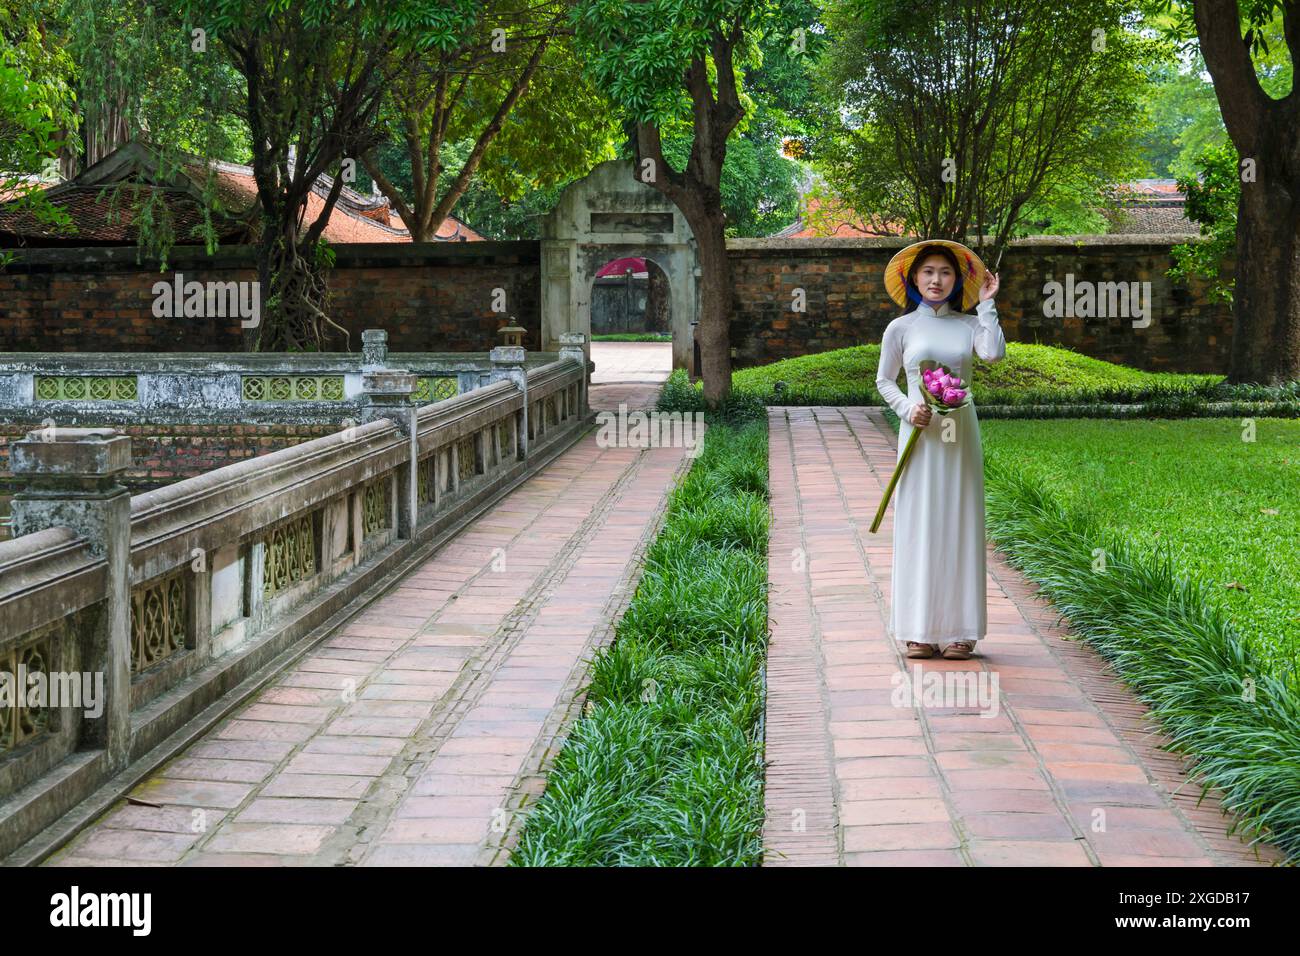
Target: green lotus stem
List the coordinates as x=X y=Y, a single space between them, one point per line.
x=898 y=470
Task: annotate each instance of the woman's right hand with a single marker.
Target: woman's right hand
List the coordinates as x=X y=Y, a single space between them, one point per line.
x=920 y=416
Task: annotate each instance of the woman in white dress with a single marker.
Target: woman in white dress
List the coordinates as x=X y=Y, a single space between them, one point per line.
x=938 y=583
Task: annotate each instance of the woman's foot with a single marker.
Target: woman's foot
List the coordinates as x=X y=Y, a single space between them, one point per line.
x=959 y=650
x=916 y=649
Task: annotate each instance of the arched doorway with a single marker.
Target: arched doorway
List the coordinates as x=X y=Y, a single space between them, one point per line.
x=631 y=322
x=611 y=215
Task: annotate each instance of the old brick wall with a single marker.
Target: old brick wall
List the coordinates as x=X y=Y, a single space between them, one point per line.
x=436 y=297
x=440 y=297
x=842 y=280
x=164 y=453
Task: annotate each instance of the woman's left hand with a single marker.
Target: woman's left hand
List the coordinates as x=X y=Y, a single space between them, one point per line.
x=990 y=287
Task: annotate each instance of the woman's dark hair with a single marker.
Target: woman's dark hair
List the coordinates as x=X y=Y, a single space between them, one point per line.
x=913 y=293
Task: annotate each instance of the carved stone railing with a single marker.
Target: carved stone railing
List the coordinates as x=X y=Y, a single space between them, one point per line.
x=116 y=388
x=172 y=598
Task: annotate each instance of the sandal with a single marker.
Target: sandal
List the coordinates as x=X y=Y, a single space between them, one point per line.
x=916 y=649
x=959 y=650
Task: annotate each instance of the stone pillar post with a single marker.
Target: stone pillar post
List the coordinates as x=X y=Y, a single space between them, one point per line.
x=374 y=349
x=508 y=362
x=572 y=346
x=386 y=393
x=70 y=478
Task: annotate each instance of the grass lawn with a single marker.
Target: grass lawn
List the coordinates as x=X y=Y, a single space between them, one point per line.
x=1226 y=511
x=633 y=337
x=1029 y=374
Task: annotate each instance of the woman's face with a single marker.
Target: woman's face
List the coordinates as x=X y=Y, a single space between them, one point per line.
x=935 y=278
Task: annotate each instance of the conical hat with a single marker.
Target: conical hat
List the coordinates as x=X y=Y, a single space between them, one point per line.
x=972 y=271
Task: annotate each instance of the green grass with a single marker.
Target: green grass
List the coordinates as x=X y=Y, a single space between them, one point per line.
x=1225 y=510
x=633 y=337
x=665 y=768
x=1234 y=713
x=1028 y=375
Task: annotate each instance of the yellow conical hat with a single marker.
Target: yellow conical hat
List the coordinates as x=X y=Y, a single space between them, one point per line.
x=972 y=271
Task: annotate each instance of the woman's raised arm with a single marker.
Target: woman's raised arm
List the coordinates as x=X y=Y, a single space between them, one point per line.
x=990 y=343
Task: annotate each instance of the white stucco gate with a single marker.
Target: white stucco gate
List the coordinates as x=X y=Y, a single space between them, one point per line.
x=609 y=215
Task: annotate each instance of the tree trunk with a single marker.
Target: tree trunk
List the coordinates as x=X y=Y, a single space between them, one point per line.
x=1265 y=132
x=1266 y=301
x=696 y=192
x=714 y=329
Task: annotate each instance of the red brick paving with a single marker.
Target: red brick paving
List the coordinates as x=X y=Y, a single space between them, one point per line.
x=1066 y=774
x=420 y=732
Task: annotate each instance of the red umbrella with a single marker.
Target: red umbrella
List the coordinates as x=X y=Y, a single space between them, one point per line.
x=619 y=266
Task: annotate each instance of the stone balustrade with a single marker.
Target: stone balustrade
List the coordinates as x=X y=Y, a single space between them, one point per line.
x=176 y=601
x=120 y=388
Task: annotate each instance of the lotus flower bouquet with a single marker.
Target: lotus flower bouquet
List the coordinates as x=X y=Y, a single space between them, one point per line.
x=945 y=393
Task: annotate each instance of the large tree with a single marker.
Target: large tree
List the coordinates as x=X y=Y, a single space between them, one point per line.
x=663 y=60
x=315 y=74
x=962 y=117
x=1265 y=132
x=508 y=87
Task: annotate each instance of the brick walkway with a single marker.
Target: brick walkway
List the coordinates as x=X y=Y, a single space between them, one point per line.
x=419 y=731
x=1066 y=771
x=631 y=362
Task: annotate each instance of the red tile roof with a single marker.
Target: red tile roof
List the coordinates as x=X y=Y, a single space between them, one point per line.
x=354 y=218
x=1147 y=206
x=98 y=220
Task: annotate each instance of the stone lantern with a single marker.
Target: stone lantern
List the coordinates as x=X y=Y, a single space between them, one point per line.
x=512 y=334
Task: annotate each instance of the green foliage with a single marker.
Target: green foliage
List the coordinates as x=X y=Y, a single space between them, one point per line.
x=784 y=85
x=28 y=141
x=46 y=68
x=1029 y=375
x=503 y=121
x=633 y=337
x=1207 y=165
x=1226 y=513
x=639 y=52
x=1223 y=688
x=122 y=69
x=1212 y=199
x=1182 y=120
x=1181 y=110
x=1258 y=19
x=1024 y=129
x=1066 y=208
x=760 y=185
x=738 y=407
x=481 y=207
x=36 y=104
x=665 y=769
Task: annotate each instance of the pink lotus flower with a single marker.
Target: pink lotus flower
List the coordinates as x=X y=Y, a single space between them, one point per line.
x=945 y=393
